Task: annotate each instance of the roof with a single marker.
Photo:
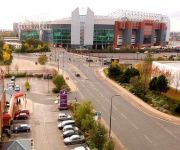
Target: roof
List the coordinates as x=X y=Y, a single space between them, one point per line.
x=23 y=144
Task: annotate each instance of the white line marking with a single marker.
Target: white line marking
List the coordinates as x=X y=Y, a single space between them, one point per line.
x=148 y=139
x=123 y=116
x=134 y=125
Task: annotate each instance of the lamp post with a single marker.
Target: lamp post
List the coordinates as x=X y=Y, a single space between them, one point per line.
x=63 y=64
x=111 y=115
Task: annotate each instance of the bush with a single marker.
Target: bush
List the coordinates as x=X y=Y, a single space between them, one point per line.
x=42 y=59
x=153 y=84
x=27 y=86
x=17 y=75
x=60 y=83
x=114 y=70
x=162 y=83
x=109 y=144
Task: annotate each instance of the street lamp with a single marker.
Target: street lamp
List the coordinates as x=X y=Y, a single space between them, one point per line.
x=111 y=115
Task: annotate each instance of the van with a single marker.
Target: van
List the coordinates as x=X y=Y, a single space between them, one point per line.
x=64 y=123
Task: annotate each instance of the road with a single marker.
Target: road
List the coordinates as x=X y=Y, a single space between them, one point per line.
x=135 y=129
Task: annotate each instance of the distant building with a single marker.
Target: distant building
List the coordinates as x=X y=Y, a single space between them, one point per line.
x=171 y=69
x=85 y=29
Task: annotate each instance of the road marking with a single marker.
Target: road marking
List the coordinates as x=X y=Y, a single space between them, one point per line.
x=134 y=125
x=123 y=116
x=148 y=139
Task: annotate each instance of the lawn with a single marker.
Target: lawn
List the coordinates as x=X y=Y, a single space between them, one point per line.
x=173 y=94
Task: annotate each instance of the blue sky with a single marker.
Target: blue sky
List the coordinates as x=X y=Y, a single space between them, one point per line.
x=19 y=10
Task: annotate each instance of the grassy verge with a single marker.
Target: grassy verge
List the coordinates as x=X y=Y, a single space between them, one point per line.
x=160 y=101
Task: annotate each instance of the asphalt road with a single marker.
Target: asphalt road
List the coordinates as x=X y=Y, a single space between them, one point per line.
x=136 y=130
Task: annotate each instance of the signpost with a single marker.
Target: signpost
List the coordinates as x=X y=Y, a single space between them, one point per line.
x=63 y=100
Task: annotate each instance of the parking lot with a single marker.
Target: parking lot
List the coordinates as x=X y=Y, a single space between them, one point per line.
x=43 y=118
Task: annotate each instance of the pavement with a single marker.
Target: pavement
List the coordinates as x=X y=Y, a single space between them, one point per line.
x=138 y=103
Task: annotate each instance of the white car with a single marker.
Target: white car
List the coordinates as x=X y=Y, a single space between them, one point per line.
x=64 y=123
x=81 y=148
x=17 y=88
x=70 y=127
x=74 y=139
x=63 y=117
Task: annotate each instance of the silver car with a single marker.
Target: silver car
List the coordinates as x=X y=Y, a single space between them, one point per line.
x=74 y=139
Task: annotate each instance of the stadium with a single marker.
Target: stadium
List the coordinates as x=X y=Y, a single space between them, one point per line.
x=121 y=28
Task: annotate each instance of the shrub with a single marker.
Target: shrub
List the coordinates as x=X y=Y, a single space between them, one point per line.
x=17 y=75
x=162 y=83
x=42 y=59
x=109 y=144
x=114 y=70
x=27 y=86
x=60 y=83
x=153 y=84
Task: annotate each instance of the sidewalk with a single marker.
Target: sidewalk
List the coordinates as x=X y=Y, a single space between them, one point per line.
x=137 y=102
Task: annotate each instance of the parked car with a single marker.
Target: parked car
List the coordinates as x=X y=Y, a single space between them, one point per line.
x=70 y=127
x=69 y=133
x=47 y=76
x=81 y=148
x=22 y=128
x=17 y=88
x=21 y=116
x=74 y=139
x=67 y=122
x=63 y=117
x=22 y=111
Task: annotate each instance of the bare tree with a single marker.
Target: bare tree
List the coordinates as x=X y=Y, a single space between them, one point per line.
x=177 y=80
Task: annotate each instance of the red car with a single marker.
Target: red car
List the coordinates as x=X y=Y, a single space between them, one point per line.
x=21 y=116
x=22 y=111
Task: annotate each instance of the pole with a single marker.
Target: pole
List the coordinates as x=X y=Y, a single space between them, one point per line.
x=111 y=115
x=48 y=82
x=63 y=64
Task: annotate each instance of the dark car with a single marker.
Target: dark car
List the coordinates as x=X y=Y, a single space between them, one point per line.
x=22 y=111
x=77 y=74
x=47 y=76
x=22 y=128
x=69 y=133
x=21 y=116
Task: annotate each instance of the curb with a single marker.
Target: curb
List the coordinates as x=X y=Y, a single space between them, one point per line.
x=137 y=102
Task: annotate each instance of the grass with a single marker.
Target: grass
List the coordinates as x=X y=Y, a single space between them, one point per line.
x=106 y=71
x=173 y=94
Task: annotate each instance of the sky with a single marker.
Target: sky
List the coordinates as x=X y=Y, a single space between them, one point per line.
x=20 y=10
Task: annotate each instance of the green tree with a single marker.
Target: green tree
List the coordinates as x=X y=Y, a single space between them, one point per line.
x=42 y=59
x=98 y=136
x=162 y=83
x=114 y=70
x=153 y=84
x=59 y=82
x=128 y=74
x=27 y=85
x=109 y=144
x=83 y=113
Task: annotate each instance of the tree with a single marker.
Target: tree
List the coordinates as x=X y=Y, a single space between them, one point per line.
x=109 y=144
x=42 y=59
x=114 y=70
x=59 y=82
x=177 y=80
x=128 y=74
x=98 y=136
x=27 y=85
x=162 y=83
x=82 y=113
x=6 y=56
x=153 y=84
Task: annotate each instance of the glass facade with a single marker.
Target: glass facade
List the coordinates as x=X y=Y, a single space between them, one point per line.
x=29 y=34
x=61 y=36
x=103 y=36
x=82 y=23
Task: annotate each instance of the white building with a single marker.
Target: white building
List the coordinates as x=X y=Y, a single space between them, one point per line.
x=171 y=69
